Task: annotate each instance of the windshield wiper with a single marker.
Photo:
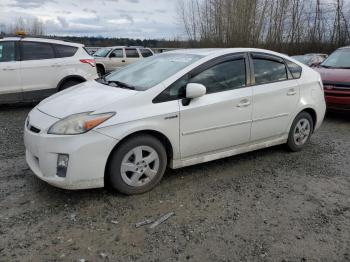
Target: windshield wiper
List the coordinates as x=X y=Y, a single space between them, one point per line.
x=121 y=84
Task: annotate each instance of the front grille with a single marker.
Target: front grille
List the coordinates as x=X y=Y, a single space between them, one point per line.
x=336 y=86
x=34 y=129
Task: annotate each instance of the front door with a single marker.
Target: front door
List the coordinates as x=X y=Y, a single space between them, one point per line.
x=222 y=118
x=115 y=60
x=10 y=75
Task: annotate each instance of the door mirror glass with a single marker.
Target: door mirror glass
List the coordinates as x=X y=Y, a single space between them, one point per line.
x=194 y=90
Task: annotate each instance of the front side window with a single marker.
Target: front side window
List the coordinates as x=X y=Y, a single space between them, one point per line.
x=7 y=51
x=131 y=53
x=117 y=53
x=65 y=50
x=267 y=71
x=151 y=71
x=146 y=52
x=36 y=51
x=222 y=77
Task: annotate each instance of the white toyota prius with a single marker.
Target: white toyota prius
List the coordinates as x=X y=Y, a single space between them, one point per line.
x=175 y=109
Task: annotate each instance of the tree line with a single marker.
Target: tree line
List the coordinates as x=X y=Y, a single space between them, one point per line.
x=290 y=26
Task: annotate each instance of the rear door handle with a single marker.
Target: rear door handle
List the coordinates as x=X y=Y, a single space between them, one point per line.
x=291 y=92
x=243 y=103
x=9 y=69
x=56 y=65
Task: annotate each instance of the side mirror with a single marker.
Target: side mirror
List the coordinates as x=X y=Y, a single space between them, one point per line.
x=112 y=55
x=194 y=90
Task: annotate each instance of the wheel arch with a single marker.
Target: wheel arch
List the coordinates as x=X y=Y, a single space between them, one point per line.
x=309 y=109
x=157 y=134
x=68 y=78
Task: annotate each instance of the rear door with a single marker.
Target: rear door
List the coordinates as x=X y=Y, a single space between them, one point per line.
x=131 y=55
x=10 y=75
x=275 y=96
x=39 y=69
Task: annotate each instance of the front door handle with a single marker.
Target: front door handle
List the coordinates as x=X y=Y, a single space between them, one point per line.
x=243 y=103
x=291 y=92
x=9 y=69
x=123 y=61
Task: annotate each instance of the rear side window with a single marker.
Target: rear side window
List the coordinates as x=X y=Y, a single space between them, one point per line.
x=267 y=71
x=146 y=52
x=7 y=51
x=222 y=77
x=294 y=69
x=65 y=50
x=131 y=53
x=36 y=51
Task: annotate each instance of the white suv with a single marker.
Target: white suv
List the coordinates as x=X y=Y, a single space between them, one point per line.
x=34 y=68
x=112 y=58
x=178 y=108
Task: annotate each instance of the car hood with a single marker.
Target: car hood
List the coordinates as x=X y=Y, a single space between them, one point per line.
x=334 y=74
x=85 y=97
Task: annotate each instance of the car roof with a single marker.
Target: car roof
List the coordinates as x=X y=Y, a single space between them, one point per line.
x=44 y=40
x=223 y=51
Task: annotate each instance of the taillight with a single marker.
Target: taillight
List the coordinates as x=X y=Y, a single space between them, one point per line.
x=91 y=62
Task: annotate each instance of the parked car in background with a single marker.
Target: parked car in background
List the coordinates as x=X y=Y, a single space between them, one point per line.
x=34 y=68
x=178 y=108
x=311 y=59
x=111 y=58
x=335 y=73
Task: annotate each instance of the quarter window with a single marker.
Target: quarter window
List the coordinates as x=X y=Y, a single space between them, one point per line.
x=294 y=69
x=267 y=71
x=222 y=77
x=146 y=52
x=65 y=51
x=131 y=53
x=36 y=51
x=7 y=51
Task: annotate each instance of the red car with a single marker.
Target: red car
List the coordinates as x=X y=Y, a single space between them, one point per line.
x=335 y=73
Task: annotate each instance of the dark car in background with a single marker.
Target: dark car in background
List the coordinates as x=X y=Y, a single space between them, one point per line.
x=335 y=73
x=311 y=59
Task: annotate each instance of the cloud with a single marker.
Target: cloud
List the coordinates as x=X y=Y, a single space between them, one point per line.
x=30 y=3
x=63 y=21
x=107 y=18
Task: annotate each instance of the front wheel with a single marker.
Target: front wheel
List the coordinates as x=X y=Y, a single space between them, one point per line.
x=137 y=165
x=300 y=131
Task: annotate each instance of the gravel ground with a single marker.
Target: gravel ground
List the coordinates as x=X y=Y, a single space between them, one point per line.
x=268 y=205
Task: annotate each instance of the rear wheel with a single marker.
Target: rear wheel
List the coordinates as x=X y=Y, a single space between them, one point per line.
x=300 y=132
x=137 y=165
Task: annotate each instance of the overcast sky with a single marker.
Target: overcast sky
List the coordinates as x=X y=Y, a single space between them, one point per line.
x=109 y=18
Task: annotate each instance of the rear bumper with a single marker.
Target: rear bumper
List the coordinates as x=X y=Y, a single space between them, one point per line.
x=88 y=154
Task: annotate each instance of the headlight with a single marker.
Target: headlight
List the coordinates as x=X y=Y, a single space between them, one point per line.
x=78 y=123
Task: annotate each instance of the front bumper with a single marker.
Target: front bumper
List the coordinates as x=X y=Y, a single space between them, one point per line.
x=88 y=154
x=339 y=100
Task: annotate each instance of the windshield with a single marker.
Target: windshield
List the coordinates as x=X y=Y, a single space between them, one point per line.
x=151 y=71
x=102 y=52
x=338 y=59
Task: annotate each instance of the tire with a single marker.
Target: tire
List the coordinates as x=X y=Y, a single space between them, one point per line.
x=100 y=71
x=300 y=132
x=69 y=83
x=131 y=174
